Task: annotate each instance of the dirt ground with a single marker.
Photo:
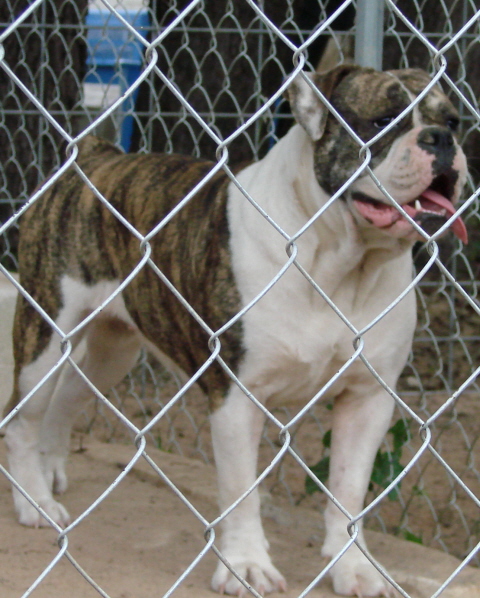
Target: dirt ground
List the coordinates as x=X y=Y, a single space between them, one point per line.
x=431 y=507
x=142 y=538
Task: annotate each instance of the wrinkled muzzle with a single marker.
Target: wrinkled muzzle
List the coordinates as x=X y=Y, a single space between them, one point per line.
x=425 y=175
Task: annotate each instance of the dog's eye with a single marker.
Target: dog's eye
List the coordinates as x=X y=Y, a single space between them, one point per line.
x=383 y=122
x=453 y=123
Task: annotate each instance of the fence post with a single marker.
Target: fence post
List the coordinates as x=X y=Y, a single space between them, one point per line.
x=369 y=33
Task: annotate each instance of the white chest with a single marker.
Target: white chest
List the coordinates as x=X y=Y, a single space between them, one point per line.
x=298 y=336
x=297 y=342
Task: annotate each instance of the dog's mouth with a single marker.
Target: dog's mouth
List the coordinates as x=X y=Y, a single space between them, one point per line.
x=430 y=210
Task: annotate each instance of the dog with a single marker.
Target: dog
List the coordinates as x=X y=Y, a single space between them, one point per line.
x=342 y=264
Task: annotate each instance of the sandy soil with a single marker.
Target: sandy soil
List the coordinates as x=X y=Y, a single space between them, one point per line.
x=431 y=508
x=141 y=538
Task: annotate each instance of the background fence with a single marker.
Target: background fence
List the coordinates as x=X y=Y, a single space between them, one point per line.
x=67 y=63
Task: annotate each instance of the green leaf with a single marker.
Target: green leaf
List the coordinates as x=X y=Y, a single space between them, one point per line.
x=412 y=537
x=321 y=471
x=327 y=439
x=417 y=491
x=386 y=468
x=401 y=434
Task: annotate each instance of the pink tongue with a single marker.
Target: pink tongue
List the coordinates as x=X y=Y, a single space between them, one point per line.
x=458 y=225
x=383 y=216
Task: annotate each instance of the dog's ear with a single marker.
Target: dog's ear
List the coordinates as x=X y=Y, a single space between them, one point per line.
x=307 y=108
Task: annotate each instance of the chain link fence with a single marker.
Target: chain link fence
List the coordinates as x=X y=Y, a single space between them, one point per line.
x=192 y=78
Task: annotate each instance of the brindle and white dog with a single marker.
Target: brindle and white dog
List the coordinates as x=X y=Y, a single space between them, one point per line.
x=220 y=252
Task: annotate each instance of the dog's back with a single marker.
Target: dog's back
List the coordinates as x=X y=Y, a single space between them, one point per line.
x=70 y=216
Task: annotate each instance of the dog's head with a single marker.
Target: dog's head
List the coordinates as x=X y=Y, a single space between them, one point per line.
x=418 y=161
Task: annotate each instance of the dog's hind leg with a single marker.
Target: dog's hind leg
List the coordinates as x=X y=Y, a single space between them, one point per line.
x=23 y=431
x=112 y=347
x=38 y=436
x=236 y=431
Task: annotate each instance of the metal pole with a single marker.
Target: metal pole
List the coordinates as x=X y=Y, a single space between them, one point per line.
x=369 y=33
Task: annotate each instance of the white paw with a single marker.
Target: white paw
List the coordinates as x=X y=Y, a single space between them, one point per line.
x=354 y=575
x=30 y=516
x=257 y=572
x=54 y=471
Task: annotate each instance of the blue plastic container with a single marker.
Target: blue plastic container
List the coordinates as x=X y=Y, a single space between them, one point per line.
x=115 y=57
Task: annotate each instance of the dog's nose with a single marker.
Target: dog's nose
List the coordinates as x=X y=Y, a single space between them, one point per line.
x=435 y=139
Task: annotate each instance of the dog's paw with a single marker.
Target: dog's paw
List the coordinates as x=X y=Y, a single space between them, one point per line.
x=259 y=573
x=356 y=576
x=28 y=515
x=54 y=471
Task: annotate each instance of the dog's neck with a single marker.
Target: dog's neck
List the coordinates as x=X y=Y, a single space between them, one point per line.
x=293 y=157
x=333 y=249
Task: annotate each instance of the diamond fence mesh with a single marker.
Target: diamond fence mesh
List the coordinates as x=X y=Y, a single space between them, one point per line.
x=194 y=78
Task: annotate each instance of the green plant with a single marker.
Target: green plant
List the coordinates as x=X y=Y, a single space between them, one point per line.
x=387 y=465
x=411 y=537
x=158 y=442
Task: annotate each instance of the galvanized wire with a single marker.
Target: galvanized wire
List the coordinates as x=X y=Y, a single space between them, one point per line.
x=257 y=121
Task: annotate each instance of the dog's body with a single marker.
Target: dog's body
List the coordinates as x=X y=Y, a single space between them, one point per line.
x=220 y=252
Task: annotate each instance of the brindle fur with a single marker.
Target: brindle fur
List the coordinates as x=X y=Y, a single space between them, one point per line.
x=337 y=154
x=198 y=264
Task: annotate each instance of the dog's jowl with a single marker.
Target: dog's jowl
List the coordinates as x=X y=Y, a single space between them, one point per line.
x=220 y=252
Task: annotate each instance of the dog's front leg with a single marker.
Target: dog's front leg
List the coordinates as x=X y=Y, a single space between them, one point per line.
x=360 y=421
x=236 y=432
